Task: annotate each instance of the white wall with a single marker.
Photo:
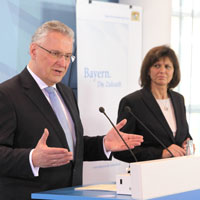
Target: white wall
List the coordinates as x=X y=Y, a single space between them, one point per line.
x=156 y=22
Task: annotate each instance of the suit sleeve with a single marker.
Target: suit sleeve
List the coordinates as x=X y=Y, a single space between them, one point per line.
x=93 y=149
x=14 y=161
x=183 y=120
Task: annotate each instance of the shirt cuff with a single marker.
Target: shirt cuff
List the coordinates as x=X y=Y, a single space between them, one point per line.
x=35 y=170
x=107 y=153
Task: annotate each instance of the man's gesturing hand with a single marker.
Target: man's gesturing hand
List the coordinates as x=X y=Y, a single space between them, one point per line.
x=44 y=156
x=113 y=142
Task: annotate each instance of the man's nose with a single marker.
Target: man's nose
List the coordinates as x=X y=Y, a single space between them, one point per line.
x=62 y=61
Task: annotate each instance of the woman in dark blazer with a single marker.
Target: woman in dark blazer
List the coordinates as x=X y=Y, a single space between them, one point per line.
x=158 y=107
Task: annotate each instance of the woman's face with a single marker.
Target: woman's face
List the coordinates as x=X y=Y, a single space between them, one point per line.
x=161 y=72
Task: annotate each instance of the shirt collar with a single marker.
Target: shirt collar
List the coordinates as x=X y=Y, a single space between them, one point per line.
x=39 y=81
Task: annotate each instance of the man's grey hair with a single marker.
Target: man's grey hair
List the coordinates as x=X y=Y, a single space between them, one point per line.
x=52 y=26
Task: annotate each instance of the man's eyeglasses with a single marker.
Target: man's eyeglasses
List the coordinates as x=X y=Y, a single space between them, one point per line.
x=58 y=55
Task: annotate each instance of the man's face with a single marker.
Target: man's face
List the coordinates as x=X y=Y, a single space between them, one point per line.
x=48 y=67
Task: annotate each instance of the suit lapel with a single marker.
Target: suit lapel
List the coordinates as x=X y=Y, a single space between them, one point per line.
x=153 y=106
x=69 y=104
x=66 y=100
x=34 y=93
x=176 y=105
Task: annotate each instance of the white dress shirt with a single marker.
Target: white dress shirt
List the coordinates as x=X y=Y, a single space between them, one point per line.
x=168 y=111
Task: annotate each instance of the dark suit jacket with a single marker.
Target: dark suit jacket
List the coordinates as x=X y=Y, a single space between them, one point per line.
x=145 y=107
x=24 y=113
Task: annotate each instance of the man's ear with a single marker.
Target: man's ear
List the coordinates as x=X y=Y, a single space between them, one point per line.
x=33 y=50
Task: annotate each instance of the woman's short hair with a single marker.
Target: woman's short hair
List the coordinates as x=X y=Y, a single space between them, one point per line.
x=52 y=26
x=152 y=57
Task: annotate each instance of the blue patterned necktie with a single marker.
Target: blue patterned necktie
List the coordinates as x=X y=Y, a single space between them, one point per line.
x=56 y=105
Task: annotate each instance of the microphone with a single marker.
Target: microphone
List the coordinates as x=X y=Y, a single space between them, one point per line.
x=128 y=109
x=102 y=110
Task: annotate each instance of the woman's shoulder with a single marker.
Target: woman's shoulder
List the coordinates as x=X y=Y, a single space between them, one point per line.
x=134 y=96
x=176 y=94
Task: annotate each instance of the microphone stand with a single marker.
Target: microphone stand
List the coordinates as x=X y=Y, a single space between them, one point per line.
x=102 y=110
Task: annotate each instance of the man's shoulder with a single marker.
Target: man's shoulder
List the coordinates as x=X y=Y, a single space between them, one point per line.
x=65 y=89
x=10 y=83
x=13 y=84
x=63 y=86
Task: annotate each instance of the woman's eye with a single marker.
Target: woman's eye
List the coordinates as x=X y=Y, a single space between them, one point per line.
x=167 y=66
x=156 y=65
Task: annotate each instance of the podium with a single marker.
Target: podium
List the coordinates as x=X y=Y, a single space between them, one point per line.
x=162 y=177
x=165 y=179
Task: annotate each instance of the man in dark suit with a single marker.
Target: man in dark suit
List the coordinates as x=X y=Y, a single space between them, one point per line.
x=34 y=149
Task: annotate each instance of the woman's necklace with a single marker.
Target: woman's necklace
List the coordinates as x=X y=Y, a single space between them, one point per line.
x=165 y=104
